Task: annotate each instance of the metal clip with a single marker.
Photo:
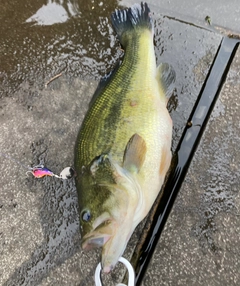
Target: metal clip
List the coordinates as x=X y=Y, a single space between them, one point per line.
x=131 y=273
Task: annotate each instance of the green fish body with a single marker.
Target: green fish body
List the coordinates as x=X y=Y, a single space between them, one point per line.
x=123 y=148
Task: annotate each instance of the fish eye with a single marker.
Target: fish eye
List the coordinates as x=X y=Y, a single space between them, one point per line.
x=86 y=215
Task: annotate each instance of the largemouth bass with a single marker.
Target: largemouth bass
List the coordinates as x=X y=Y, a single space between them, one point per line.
x=123 y=148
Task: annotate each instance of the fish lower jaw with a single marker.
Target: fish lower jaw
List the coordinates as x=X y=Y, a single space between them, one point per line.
x=107 y=269
x=94 y=242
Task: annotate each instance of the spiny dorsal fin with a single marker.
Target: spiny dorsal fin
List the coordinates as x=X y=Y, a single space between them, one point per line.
x=166 y=77
x=134 y=155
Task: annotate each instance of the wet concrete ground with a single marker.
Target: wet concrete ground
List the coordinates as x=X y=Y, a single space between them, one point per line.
x=39 y=237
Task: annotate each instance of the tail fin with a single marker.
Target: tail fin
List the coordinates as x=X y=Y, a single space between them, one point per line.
x=137 y=16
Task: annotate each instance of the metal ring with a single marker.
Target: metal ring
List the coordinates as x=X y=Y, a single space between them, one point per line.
x=131 y=273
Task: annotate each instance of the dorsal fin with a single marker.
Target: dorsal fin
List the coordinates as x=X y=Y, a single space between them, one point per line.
x=134 y=155
x=104 y=82
x=166 y=77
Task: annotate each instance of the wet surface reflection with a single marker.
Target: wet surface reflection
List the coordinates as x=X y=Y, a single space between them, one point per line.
x=54 y=12
x=37 y=44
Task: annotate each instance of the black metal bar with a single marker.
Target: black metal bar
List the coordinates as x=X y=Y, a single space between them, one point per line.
x=185 y=150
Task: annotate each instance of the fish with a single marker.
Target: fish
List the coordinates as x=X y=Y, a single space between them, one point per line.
x=123 y=148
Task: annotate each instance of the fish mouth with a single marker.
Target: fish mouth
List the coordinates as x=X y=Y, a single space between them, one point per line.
x=94 y=241
x=101 y=233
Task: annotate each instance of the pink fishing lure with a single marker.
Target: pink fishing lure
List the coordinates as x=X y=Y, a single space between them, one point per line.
x=41 y=172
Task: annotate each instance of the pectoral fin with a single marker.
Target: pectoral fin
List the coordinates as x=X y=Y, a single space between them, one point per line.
x=134 y=155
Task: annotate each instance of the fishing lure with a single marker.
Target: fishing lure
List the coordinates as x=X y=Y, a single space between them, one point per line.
x=40 y=171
